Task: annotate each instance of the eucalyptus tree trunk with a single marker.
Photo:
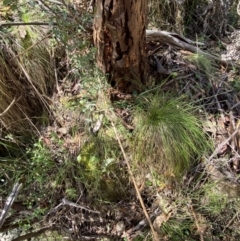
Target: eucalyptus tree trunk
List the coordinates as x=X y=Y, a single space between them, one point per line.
x=120 y=38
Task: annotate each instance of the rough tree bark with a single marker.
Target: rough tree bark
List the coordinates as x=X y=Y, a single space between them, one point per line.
x=120 y=38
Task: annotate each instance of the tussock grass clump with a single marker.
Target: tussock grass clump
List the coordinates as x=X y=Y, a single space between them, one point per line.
x=167 y=133
x=26 y=79
x=204 y=63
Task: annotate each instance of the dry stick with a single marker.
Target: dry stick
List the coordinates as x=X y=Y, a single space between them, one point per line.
x=155 y=236
x=9 y=202
x=234 y=106
x=32 y=234
x=5 y=24
x=230 y=221
x=26 y=50
x=197 y=223
x=49 y=8
x=67 y=202
x=222 y=144
x=216 y=151
x=235 y=144
x=55 y=74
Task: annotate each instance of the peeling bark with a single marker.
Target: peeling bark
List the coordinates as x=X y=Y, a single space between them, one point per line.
x=120 y=38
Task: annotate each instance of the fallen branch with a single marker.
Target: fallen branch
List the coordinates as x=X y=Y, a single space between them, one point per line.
x=5 y=24
x=182 y=43
x=31 y=235
x=9 y=202
x=11 y=223
x=173 y=37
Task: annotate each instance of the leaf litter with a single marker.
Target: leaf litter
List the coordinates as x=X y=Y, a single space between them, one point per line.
x=212 y=87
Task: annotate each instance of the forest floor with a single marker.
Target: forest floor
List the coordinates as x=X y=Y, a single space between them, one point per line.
x=203 y=208
x=76 y=179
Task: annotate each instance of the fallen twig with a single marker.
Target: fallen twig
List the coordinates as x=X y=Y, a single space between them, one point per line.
x=67 y=202
x=216 y=151
x=230 y=221
x=155 y=235
x=31 y=235
x=5 y=24
x=199 y=230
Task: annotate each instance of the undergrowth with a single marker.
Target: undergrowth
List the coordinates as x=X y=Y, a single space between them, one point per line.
x=84 y=160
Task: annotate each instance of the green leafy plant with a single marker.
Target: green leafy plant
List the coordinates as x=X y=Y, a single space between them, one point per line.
x=71 y=193
x=41 y=163
x=212 y=200
x=236 y=84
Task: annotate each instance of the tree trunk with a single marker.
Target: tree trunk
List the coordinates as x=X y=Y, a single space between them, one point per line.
x=120 y=38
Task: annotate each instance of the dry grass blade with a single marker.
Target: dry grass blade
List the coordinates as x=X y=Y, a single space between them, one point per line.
x=155 y=235
x=8 y=108
x=197 y=223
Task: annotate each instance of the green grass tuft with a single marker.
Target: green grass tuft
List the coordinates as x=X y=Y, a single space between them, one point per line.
x=168 y=133
x=204 y=63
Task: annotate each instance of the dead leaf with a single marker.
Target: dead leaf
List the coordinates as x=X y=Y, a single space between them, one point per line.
x=210 y=126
